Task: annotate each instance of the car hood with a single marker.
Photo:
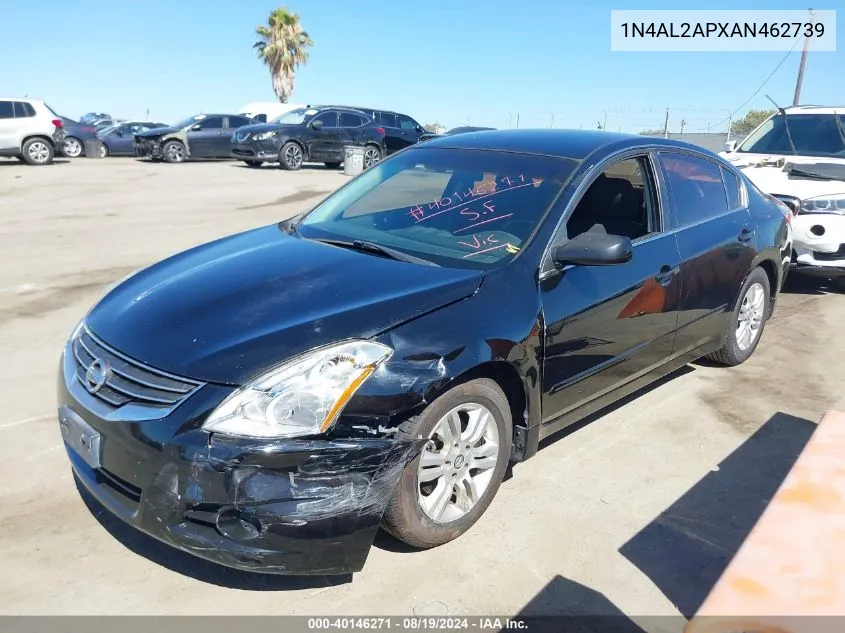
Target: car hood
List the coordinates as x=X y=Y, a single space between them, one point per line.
x=158 y=131
x=225 y=311
x=777 y=179
x=258 y=128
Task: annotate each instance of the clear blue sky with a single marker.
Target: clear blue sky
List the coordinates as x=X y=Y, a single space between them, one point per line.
x=453 y=61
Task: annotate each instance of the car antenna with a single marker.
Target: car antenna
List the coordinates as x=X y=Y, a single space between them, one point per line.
x=782 y=112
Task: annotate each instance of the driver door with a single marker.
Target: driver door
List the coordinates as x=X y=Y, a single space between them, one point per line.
x=608 y=325
x=204 y=136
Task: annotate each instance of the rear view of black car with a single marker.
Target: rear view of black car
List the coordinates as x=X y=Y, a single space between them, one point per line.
x=318 y=134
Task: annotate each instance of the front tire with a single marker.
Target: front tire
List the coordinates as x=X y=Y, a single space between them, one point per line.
x=447 y=488
x=72 y=147
x=37 y=151
x=174 y=152
x=747 y=321
x=290 y=156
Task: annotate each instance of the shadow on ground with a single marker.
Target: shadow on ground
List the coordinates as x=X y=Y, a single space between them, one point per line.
x=805 y=285
x=566 y=605
x=687 y=547
x=188 y=565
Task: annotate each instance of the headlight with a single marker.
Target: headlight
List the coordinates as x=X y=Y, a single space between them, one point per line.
x=828 y=203
x=263 y=136
x=300 y=397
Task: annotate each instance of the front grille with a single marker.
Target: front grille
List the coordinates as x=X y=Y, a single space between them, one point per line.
x=118 y=380
x=830 y=257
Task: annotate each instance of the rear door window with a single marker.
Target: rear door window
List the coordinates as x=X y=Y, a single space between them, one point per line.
x=350 y=119
x=387 y=119
x=7 y=110
x=696 y=187
x=734 y=189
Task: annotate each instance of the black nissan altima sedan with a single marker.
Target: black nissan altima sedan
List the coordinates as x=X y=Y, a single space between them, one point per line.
x=269 y=399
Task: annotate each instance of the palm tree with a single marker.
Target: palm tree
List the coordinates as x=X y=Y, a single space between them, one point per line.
x=282 y=47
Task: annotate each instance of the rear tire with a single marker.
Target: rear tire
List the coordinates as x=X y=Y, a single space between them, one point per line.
x=72 y=147
x=104 y=150
x=446 y=504
x=332 y=165
x=372 y=156
x=174 y=152
x=37 y=151
x=748 y=320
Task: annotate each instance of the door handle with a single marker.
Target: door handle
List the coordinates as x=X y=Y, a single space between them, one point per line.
x=666 y=274
x=746 y=235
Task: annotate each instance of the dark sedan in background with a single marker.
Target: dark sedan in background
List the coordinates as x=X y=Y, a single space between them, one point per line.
x=261 y=402
x=199 y=136
x=427 y=136
x=315 y=134
x=76 y=134
x=119 y=140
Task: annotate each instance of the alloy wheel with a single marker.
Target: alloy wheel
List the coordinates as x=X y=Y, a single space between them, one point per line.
x=293 y=156
x=39 y=152
x=72 y=148
x=175 y=152
x=371 y=157
x=750 y=316
x=458 y=462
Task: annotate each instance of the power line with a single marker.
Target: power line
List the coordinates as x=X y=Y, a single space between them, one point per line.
x=771 y=74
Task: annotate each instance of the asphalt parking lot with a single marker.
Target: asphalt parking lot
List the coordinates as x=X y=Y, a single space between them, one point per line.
x=636 y=512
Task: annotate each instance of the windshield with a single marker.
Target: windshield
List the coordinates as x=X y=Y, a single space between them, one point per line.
x=294 y=117
x=456 y=208
x=813 y=135
x=189 y=121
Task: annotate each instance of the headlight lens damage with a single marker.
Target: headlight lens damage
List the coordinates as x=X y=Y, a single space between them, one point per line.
x=301 y=397
x=828 y=203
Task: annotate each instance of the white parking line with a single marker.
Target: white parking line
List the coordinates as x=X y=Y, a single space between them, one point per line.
x=9 y=425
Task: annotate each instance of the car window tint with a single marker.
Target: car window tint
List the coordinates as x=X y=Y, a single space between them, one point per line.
x=733 y=189
x=407 y=123
x=812 y=134
x=620 y=201
x=696 y=187
x=329 y=119
x=387 y=119
x=24 y=109
x=350 y=119
x=7 y=111
x=238 y=121
x=211 y=123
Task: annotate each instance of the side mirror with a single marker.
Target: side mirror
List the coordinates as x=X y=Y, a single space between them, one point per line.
x=594 y=249
x=316 y=125
x=730 y=146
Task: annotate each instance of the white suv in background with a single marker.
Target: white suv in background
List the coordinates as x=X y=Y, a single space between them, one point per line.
x=798 y=155
x=29 y=130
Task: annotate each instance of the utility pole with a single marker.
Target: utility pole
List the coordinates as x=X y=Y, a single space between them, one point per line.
x=797 y=98
x=552 y=124
x=604 y=127
x=517 y=120
x=683 y=125
x=666 y=125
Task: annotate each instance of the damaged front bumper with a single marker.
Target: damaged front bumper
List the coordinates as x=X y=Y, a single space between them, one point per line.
x=148 y=148
x=274 y=506
x=819 y=244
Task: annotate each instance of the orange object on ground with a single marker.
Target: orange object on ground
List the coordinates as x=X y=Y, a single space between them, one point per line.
x=790 y=571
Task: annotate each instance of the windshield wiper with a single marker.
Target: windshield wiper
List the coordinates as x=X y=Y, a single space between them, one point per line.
x=289 y=225
x=378 y=249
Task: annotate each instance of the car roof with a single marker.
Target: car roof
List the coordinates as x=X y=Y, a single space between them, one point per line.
x=815 y=109
x=558 y=143
x=27 y=99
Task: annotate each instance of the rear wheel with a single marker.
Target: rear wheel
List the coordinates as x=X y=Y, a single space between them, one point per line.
x=747 y=321
x=174 y=152
x=290 y=156
x=72 y=147
x=104 y=150
x=37 y=151
x=332 y=165
x=447 y=488
x=372 y=155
